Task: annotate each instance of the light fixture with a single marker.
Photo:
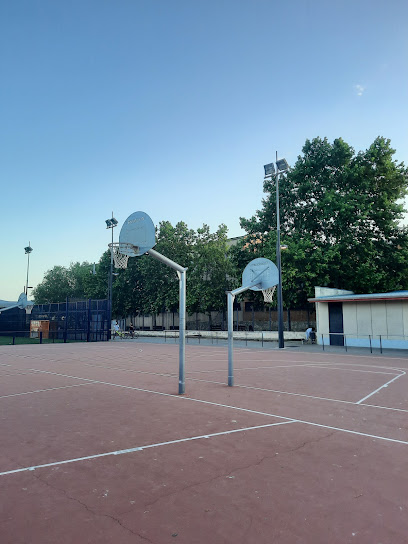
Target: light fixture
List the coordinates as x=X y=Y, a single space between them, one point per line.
x=282 y=165
x=269 y=169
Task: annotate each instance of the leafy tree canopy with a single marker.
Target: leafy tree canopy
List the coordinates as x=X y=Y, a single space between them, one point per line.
x=340 y=217
x=76 y=281
x=147 y=286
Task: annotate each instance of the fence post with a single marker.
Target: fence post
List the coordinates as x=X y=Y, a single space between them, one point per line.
x=322 y=342
x=88 y=332
x=371 y=347
x=41 y=337
x=14 y=338
x=66 y=322
x=262 y=338
x=380 y=344
x=345 y=342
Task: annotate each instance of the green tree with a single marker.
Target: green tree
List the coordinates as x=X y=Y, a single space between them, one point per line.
x=211 y=271
x=55 y=286
x=341 y=218
x=148 y=286
x=76 y=281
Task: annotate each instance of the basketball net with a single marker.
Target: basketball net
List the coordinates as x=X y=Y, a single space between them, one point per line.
x=268 y=294
x=120 y=259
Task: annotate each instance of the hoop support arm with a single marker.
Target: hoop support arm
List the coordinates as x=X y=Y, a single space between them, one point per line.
x=155 y=254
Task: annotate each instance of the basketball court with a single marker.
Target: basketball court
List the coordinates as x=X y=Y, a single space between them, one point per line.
x=99 y=447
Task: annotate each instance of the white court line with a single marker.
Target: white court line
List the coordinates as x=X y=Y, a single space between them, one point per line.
x=141 y=448
x=218 y=383
x=269 y=367
x=360 y=402
x=43 y=390
x=365 y=366
x=166 y=375
x=379 y=389
x=235 y=407
x=257 y=388
x=354 y=370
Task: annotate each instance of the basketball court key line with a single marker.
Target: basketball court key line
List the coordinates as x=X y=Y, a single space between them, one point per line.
x=379 y=389
x=208 y=402
x=44 y=390
x=233 y=407
x=299 y=395
x=206 y=436
x=141 y=448
x=189 y=439
x=247 y=386
x=219 y=383
x=329 y=367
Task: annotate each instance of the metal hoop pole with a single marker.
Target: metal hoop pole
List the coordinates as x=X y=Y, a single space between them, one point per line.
x=182 y=331
x=181 y=273
x=230 y=303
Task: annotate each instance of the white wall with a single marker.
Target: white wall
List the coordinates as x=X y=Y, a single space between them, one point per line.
x=368 y=320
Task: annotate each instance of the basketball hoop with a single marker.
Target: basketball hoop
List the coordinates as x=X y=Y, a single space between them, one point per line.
x=268 y=294
x=120 y=253
x=29 y=309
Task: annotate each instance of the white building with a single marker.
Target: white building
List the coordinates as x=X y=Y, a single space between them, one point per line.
x=378 y=319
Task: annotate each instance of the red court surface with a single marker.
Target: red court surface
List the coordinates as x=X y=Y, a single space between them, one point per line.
x=97 y=447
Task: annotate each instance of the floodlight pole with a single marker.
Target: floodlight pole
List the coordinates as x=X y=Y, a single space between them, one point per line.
x=28 y=250
x=110 y=224
x=278 y=262
x=181 y=273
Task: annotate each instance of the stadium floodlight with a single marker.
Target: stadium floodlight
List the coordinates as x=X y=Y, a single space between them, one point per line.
x=269 y=169
x=282 y=165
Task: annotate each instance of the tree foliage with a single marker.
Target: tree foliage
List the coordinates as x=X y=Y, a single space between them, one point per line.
x=340 y=220
x=76 y=281
x=148 y=286
x=340 y=217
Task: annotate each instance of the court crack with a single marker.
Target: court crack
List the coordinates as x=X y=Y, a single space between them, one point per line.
x=204 y=482
x=88 y=509
x=236 y=470
x=308 y=442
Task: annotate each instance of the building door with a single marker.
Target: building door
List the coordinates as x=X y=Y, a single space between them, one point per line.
x=336 y=323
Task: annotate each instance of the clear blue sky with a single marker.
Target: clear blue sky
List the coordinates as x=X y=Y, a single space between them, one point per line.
x=173 y=107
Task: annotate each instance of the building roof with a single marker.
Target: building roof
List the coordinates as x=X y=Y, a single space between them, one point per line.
x=373 y=297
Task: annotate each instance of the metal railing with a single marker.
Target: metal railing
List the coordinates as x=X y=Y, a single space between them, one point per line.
x=370 y=341
x=19 y=337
